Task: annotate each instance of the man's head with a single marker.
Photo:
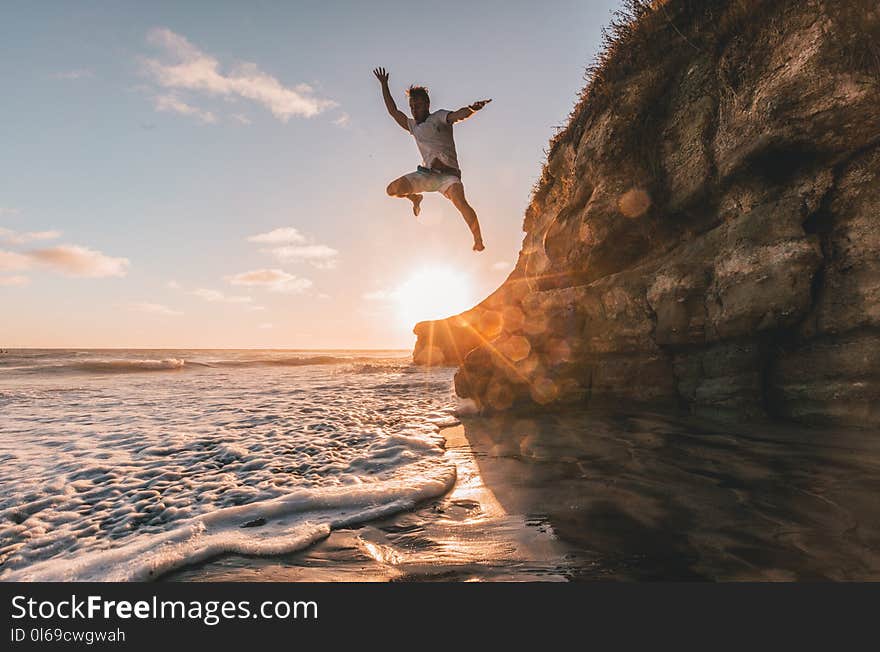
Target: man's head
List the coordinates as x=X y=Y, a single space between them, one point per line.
x=419 y=102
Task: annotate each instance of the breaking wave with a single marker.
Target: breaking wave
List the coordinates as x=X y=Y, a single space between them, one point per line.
x=82 y=363
x=113 y=476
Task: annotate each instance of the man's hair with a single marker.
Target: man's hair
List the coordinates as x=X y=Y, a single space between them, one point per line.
x=418 y=91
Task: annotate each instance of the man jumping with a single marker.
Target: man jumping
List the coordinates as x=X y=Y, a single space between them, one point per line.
x=439 y=171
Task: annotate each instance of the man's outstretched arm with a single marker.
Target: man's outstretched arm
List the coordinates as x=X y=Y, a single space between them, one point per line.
x=466 y=111
x=397 y=114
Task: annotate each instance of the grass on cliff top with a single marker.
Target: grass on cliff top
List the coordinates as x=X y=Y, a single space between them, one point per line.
x=642 y=31
x=638 y=32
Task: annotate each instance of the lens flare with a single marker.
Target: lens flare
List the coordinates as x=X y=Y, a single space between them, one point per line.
x=635 y=202
x=433 y=293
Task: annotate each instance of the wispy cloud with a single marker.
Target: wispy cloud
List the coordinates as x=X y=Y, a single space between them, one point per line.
x=296 y=247
x=74 y=260
x=81 y=73
x=321 y=256
x=153 y=308
x=276 y=280
x=501 y=265
x=13 y=281
x=284 y=235
x=215 y=296
x=71 y=260
x=343 y=120
x=172 y=104
x=240 y=117
x=172 y=285
x=6 y=210
x=188 y=68
x=12 y=261
x=266 y=326
x=19 y=238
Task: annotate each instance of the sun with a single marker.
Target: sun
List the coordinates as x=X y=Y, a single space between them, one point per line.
x=433 y=293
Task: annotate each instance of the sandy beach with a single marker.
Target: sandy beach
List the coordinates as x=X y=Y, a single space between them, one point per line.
x=578 y=496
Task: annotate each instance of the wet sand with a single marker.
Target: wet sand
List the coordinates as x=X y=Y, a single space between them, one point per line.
x=589 y=496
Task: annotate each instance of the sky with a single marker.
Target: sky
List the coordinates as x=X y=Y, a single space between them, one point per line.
x=212 y=175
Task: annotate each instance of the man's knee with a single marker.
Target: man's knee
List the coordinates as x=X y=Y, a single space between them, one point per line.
x=398 y=188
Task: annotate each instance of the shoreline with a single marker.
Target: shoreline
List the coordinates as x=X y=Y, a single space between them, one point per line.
x=442 y=539
x=586 y=496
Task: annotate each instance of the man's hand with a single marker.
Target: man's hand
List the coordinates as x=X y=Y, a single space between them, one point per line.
x=381 y=75
x=476 y=106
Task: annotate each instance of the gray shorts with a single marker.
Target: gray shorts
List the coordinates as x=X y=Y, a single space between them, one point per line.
x=429 y=181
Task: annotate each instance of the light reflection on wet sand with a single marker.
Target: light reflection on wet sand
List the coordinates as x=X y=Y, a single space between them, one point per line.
x=586 y=496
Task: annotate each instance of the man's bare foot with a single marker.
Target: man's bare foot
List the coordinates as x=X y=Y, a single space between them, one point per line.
x=417 y=204
x=478 y=245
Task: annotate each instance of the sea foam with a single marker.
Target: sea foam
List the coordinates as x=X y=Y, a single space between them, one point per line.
x=126 y=476
x=268 y=527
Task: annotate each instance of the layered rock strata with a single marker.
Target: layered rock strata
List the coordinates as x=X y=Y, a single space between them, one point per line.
x=706 y=233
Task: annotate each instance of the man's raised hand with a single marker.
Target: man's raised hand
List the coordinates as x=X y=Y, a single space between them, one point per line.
x=476 y=106
x=398 y=115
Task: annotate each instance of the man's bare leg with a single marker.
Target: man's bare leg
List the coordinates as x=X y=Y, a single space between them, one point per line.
x=401 y=188
x=455 y=194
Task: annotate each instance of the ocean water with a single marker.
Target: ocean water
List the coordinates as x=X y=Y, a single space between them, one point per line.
x=126 y=464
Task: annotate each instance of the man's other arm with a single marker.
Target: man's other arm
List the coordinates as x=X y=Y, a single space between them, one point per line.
x=466 y=111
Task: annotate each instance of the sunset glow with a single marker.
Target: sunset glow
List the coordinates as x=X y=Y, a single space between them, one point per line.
x=433 y=293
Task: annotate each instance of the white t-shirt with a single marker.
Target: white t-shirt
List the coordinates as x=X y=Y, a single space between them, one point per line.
x=434 y=138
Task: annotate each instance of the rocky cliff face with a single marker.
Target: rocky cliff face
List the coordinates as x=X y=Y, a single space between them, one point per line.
x=706 y=232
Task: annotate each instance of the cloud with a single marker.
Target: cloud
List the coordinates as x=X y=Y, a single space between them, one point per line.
x=276 y=280
x=501 y=265
x=74 y=260
x=18 y=238
x=294 y=246
x=284 y=235
x=71 y=260
x=243 y=119
x=13 y=281
x=321 y=256
x=6 y=210
x=153 y=308
x=255 y=308
x=267 y=326
x=344 y=120
x=215 y=296
x=188 y=68
x=171 y=104
x=172 y=285
x=9 y=261
x=80 y=73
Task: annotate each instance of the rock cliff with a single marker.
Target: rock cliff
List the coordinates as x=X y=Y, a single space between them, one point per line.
x=706 y=231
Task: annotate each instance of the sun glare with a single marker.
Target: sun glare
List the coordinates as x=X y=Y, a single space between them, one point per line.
x=433 y=293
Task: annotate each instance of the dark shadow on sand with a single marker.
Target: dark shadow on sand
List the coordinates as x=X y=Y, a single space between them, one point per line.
x=656 y=497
